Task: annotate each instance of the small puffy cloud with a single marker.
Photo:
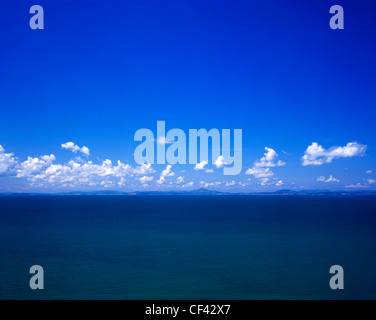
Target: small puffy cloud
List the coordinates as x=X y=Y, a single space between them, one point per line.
x=268 y=160
x=165 y=173
x=220 y=162
x=230 y=183
x=331 y=179
x=264 y=181
x=369 y=171
x=161 y=180
x=209 y=170
x=7 y=162
x=75 y=148
x=187 y=185
x=263 y=174
x=260 y=173
x=371 y=181
x=162 y=140
x=279 y=183
x=145 y=179
x=201 y=165
x=261 y=168
x=143 y=169
x=180 y=180
x=121 y=182
x=316 y=155
x=85 y=150
x=210 y=184
x=106 y=184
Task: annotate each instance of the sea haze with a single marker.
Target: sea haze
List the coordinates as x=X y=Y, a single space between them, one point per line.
x=188 y=247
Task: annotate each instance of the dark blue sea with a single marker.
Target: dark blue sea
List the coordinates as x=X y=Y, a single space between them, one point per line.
x=188 y=247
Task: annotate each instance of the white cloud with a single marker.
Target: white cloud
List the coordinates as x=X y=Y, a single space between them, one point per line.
x=371 y=181
x=316 y=155
x=268 y=160
x=260 y=173
x=32 y=166
x=201 y=165
x=210 y=184
x=187 y=185
x=85 y=150
x=209 y=170
x=230 y=183
x=165 y=173
x=145 y=179
x=143 y=169
x=220 y=162
x=121 y=182
x=369 y=171
x=75 y=148
x=261 y=168
x=7 y=162
x=162 y=140
x=264 y=181
x=42 y=172
x=331 y=179
x=263 y=174
x=180 y=180
x=279 y=183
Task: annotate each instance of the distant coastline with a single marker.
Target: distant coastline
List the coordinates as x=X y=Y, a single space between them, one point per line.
x=197 y=192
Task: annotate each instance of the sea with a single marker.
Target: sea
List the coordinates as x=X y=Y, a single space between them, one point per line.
x=188 y=247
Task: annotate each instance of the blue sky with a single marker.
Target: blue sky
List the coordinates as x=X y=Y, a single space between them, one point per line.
x=101 y=70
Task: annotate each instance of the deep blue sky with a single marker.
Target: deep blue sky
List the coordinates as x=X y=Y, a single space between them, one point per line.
x=100 y=70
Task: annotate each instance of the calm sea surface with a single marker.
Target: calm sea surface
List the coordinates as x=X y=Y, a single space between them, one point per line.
x=188 y=247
